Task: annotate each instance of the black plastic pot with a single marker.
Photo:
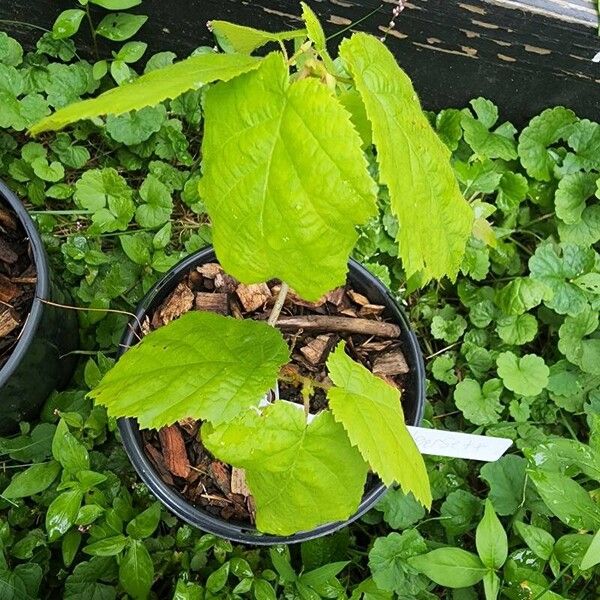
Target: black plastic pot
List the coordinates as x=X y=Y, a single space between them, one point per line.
x=413 y=403
x=37 y=364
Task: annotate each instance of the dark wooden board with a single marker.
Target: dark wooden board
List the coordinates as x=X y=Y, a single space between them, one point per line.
x=523 y=54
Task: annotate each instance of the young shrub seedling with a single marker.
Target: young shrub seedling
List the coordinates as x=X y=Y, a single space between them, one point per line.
x=286 y=181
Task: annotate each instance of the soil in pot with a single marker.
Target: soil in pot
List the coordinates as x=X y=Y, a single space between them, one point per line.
x=312 y=330
x=17 y=281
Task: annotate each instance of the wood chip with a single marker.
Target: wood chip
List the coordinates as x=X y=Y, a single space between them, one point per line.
x=358 y=298
x=253 y=296
x=9 y=321
x=337 y=296
x=180 y=301
x=174 y=452
x=213 y=302
x=225 y=283
x=7 y=220
x=376 y=345
x=6 y=254
x=391 y=363
x=8 y=290
x=317 y=349
x=220 y=474
x=189 y=425
x=339 y=325
x=238 y=482
x=210 y=270
x=158 y=461
x=370 y=310
x=349 y=312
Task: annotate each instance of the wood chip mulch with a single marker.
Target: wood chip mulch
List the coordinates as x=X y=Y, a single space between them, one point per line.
x=17 y=281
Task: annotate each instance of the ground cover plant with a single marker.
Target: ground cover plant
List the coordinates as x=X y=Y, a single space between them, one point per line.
x=75 y=520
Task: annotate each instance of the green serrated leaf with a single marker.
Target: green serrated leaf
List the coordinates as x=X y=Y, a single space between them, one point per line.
x=136 y=127
x=517 y=330
x=212 y=366
x=296 y=465
x=245 y=40
x=573 y=190
x=371 y=413
x=285 y=181
x=542 y=132
x=480 y=405
x=526 y=376
x=557 y=269
x=152 y=88
x=435 y=219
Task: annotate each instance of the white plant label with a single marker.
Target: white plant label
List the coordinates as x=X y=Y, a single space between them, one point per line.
x=459 y=445
x=438 y=442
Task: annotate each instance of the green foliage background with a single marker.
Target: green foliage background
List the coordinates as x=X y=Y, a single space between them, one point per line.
x=512 y=349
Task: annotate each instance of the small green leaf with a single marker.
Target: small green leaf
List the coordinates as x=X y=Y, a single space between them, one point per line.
x=506 y=478
x=544 y=131
x=297 y=464
x=371 y=413
x=145 y=523
x=573 y=190
x=526 y=376
x=136 y=571
x=132 y=51
x=447 y=325
x=245 y=40
x=517 y=330
x=566 y=499
x=389 y=561
x=520 y=295
x=62 y=512
x=592 y=555
x=46 y=171
x=480 y=405
x=157 y=206
x=304 y=190
x=109 y=546
x=70 y=546
x=116 y=4
x=68 y=451
x=450 y=567
x=11 y=52
x=400 y=510
x=136 y=127
x=152 y=88
x=33 y=480
x=67 y=23
x=539 y=540
x=413 y=163
x=119 y=27
x=212 y=366
x=216 y=581
x=490 y=539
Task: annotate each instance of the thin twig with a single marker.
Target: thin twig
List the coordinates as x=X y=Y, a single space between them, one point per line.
x=279 y=302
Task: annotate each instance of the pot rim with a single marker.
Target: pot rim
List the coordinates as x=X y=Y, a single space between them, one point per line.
x=180 y=506
x=42 y=287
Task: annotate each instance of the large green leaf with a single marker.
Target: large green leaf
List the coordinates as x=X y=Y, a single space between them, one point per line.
x=152 y=88
x=239 y=38
x=435 y=221
x=285 y=181
x=203 y=366
x=371 y=413
x=301 y=474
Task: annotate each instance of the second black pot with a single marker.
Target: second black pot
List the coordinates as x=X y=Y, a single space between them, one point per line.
x=413 y=401
x=37 y=364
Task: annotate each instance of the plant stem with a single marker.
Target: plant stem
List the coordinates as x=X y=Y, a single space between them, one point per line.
x=280 y=300
x=92 y=31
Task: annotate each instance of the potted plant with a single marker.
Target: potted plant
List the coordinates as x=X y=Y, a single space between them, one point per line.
x=34 y=336
x=296 y=146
